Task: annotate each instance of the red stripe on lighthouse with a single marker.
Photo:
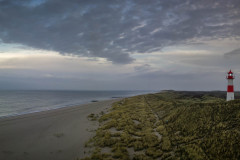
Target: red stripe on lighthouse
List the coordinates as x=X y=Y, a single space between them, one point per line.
x=230 y=89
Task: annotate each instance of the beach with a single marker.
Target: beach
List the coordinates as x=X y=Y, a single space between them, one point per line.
x=58 y=134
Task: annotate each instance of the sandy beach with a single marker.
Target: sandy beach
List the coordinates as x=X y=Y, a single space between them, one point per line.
x=50 y=135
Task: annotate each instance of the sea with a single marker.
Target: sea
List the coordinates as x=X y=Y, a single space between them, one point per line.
x=14 y=103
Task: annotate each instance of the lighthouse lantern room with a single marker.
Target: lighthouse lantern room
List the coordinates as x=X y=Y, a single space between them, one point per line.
x=230 y=88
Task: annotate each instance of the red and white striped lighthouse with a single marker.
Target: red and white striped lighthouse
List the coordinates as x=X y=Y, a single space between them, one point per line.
x=230 y=88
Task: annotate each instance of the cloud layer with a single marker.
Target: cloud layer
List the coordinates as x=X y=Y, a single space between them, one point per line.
x=235 y=52
x=114 y=29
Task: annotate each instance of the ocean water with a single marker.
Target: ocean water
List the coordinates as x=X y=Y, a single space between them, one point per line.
x=23 y=102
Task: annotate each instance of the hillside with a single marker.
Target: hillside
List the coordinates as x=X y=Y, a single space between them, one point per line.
x=169 y=125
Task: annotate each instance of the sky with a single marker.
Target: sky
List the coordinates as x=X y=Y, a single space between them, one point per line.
x=119 y=44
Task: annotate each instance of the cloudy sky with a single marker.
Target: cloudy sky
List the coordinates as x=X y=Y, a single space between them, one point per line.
x=119 y=44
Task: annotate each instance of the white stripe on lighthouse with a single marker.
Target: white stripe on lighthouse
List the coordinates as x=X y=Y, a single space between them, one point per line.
x=230 y=96
x=230 y=82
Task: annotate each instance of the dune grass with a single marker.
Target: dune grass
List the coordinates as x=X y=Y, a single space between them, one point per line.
x=169 y=125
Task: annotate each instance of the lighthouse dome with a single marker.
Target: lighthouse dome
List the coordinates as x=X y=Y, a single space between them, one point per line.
x=230 y=75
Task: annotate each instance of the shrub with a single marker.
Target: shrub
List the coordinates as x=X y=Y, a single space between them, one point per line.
x=166 y=144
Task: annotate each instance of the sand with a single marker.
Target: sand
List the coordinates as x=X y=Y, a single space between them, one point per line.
x=50 y=135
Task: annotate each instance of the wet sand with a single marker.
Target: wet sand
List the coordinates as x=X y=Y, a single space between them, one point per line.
x=50 y=135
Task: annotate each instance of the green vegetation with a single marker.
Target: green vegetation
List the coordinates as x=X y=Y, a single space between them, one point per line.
x=169 y=125
x=93 y=117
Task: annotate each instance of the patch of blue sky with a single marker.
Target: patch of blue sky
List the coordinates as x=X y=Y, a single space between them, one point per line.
x=11 y=47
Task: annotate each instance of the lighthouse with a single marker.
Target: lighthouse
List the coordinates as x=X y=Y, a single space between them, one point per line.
x=230 y=88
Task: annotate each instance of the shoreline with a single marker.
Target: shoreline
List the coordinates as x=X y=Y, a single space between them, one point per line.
x=56 y=108
x=62 y=107
x=15 y=103
x=52 y=134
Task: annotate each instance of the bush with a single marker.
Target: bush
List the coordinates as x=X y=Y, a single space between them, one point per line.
x=166 y=144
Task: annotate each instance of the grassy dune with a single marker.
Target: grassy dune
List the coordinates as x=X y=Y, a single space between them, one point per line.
x=169 y=125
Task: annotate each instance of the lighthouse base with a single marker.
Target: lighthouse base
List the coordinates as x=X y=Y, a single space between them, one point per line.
x=230 y=96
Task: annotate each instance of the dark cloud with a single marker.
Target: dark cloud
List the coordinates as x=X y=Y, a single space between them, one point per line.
x=114 y=29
